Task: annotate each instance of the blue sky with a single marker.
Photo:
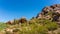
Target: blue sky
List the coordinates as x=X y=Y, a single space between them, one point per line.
x=10 y=9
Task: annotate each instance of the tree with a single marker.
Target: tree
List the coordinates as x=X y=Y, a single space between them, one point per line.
x=16 y=21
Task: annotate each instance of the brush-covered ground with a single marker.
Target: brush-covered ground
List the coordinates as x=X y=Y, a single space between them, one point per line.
x=33 y=26
x=46 y=22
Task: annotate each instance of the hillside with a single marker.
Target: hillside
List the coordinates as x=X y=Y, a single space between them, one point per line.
x=46 y=22
x=51 y=13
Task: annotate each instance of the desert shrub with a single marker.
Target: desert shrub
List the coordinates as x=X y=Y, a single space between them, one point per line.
x=15 y=30
x=16 y=21
x=33 y=21
x=41 y=30
x=58 y=33
x=34 y=29
x=2 y=26
x=51 y=26
x=44 y=21
x=7 y=32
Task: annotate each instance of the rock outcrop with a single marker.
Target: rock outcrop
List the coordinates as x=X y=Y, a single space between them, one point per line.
x=51 y=12
x=17 y=21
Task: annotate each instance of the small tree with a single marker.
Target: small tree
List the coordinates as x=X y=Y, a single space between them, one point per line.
x=16 y=21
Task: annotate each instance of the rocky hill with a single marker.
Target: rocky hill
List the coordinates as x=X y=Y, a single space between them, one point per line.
x=46 y=22
x=51 y=12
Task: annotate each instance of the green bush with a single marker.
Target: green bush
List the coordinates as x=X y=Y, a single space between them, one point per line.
x=41 y=30
x=2 y=26
x=16 y=21
x=34 y=29
x=52 y=26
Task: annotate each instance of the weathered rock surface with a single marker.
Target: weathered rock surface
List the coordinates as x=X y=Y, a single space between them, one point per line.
x=51 y=13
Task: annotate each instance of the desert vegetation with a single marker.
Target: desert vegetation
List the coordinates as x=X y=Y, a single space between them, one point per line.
x=46 y=22
x=33 y=26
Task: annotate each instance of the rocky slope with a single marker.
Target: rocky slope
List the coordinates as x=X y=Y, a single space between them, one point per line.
x=51 y=12
x=46 y=22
